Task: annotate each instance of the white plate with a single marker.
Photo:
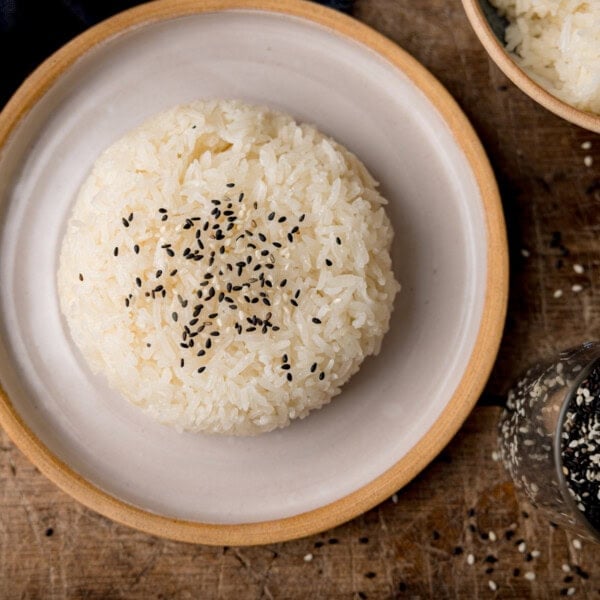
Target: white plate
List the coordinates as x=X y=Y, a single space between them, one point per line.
x=440 y=206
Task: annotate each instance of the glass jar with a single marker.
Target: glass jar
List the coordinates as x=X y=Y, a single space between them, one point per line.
x=550 y=438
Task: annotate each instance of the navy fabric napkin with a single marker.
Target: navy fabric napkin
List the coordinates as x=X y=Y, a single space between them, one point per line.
x=31 y=30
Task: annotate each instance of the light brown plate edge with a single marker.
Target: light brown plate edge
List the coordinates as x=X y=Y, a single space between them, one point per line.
x=480 y=362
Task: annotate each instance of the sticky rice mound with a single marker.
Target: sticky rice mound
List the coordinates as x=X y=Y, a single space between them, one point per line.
x=226 y=268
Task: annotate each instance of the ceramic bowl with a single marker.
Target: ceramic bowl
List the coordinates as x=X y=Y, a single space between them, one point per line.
x=489 y=28
x=449 y=252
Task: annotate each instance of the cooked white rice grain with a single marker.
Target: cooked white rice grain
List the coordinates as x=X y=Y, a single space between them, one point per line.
x=227 y=269
x=558 y=43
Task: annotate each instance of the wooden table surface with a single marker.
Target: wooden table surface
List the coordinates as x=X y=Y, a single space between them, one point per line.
x=463 y=508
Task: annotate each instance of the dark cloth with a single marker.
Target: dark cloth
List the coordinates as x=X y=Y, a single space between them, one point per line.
x=31 y=30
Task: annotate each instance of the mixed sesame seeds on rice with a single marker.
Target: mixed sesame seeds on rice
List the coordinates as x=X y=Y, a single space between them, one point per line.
x=226 y=268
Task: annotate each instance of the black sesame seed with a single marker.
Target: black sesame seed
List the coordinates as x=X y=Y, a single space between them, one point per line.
x=302 y=217
x=271 y=216
x=250 y=329
x=457 y=551
x=127 y=302
x=282 y=219
x=297 y=294
x=158 y=273
x=230 y=185
x=162 y=210
x=164 y=217
x=321 y=376
x=290 y=237
x=182 y=363
x=136 y=249
x=138 y=282
x=262 y=237
x=201 y=352
x=328 y=262
x=516 y=572
x=286 y=367
x=316 y=321
x=201 y=369
x=116 y=251
x=313 y=367
x=125 y=222
x=289 y=376
x=213 y=315
x=175 y=316
x=293 y=302
x=277 y=245
x=208 y=344
x=338 y=241
x=241 y=197
x=170 y=252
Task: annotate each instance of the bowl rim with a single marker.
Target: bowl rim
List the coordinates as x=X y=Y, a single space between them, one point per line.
x=519 y=77
x=480 y=361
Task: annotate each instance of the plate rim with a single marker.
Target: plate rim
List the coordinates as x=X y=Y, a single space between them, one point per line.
x=482 y=356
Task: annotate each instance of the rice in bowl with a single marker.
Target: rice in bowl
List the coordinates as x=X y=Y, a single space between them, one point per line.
x=226 y=268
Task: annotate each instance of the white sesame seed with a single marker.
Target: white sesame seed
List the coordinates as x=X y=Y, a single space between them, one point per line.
x=522 y=547
x=588 y=161
x=586 y=145
x=535 y=553
x=395 y=498
x=495 y=456
x=577 y=545
x=308 y=557
x=578 y=269
x=557 y=293
x=492 y=536
x=492 y=585
x=470 y=559
x=530 y=576
x=571 y=591
x=576 y=288
x=525 y=253
x=565 y=567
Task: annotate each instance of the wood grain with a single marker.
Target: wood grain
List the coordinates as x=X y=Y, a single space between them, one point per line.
x=551 y=201
x=413 y=546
